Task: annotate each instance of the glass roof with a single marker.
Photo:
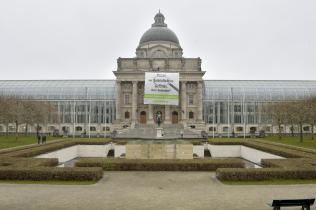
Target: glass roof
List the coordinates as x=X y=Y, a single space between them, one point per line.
x=59 y=89
x=258 y=90
x=250 y=90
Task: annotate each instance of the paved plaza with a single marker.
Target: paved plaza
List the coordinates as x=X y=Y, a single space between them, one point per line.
x=147 y=190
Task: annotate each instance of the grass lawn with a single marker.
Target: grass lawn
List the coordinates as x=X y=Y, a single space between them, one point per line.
x=10 y=141
x=272 y=182
x=52 y=182
x=295 y=141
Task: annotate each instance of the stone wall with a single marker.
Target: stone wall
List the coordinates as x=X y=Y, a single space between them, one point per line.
x=159 y=151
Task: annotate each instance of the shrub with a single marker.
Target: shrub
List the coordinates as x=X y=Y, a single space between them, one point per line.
x=28 y=162
x=255 y=174
x=298 y=163
x=37 y=150
x=51 y=173
x=159 y=165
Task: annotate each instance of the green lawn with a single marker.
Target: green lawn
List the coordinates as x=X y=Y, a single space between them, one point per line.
x=295 y=141
x=272 y=182
x=50 y=182
x=10 y=141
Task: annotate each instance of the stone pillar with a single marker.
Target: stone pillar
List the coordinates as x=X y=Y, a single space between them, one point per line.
x=134 y=102
x=150 y=114
x=183 y=102
x=167 y=115
x=118 y=101
x=200 y=101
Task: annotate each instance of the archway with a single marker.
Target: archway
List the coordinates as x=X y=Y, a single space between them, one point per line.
x=174 y=118
x=143 y=118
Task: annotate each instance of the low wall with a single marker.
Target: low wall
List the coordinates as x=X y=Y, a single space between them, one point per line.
x=250 y=154
x=70 y=153
x=159 y=151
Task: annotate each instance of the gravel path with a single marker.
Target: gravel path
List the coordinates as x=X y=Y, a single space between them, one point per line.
x=148 y=190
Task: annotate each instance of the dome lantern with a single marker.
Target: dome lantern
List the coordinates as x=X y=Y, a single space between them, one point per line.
x=159 y=32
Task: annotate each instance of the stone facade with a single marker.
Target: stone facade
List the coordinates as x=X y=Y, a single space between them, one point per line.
x=159 y=51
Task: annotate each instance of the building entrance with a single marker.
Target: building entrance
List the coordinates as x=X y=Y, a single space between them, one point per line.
x=143 y=118
x=174 y=118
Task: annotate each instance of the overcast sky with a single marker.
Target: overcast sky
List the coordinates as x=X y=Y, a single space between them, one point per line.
x=76 y=39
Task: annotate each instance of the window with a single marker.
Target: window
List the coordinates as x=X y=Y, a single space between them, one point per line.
x=106 y=128
x=126 y=115
x=225 y=129
x=237 y=108
x=92 y=128
x=50 y=128
x=126 y=99
x=191 y=99
x=239 y=129
x=237 y=119
x=250 y=108
x=251 y=119
x=253 y=129
x=191 y=115
x=306 y=128
x=78 y=128
x=268 y=129
x=191 y=86
x=210 y=119
x=212 y=129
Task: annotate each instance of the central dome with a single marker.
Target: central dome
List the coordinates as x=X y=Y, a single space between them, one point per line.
x=159 y=32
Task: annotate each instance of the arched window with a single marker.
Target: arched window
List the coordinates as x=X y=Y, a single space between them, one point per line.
x=78 y=128
x=306 y=128
x=126 y=115
x=254 y=129
x=50 y=128
x=92 y=128
x=239 y=129
x=212 y=128
x=225 y=129
x=191 y=115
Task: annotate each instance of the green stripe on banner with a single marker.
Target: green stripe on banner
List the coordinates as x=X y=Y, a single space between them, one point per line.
x=160 y=96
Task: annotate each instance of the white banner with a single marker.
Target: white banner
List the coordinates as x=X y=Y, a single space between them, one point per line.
x=161 y=88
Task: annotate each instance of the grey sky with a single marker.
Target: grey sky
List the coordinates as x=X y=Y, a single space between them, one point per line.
x=76 y=39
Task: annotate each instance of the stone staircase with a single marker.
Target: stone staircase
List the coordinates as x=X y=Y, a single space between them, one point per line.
x=170 y=131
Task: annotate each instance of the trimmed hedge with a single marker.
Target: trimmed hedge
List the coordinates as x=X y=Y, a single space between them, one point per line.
x=51 y=173
x=280 y=150
x=45 y=148
x=256 y=174
x=298 y=163
x=159 y=165
x=28 y=162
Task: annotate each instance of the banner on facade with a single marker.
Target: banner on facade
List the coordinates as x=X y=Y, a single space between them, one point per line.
x=161 y=88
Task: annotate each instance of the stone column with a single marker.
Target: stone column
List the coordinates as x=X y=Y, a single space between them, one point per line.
x=200 y=101
x=167 y=115
x=183 y=102
x=118 y=101
x=150 y=114
x=134 y=102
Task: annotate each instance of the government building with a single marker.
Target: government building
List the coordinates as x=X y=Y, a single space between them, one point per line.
x=99 y=107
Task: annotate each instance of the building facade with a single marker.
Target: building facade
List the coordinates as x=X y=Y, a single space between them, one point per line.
x=97 y=107
x=159 y=50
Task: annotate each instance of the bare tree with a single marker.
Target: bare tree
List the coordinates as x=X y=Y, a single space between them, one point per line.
x=311 y=114
x=277 y=112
